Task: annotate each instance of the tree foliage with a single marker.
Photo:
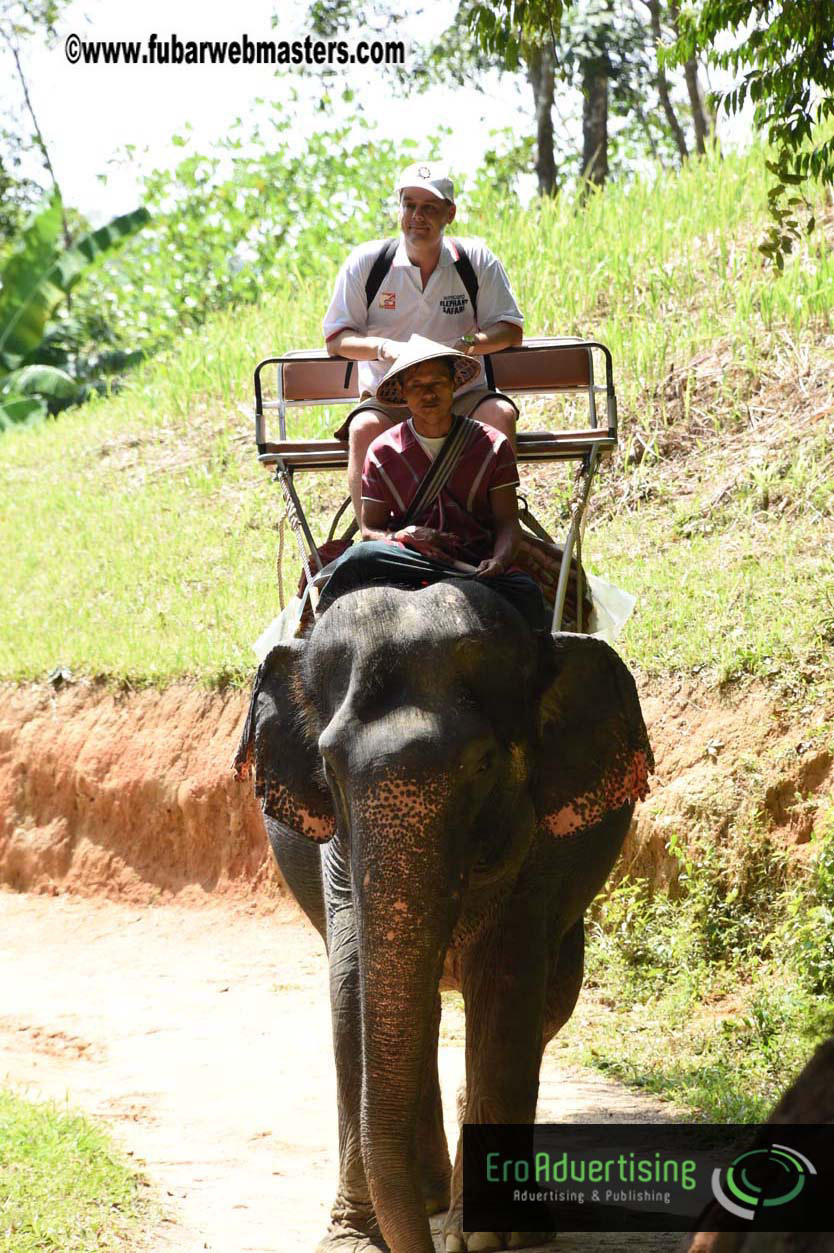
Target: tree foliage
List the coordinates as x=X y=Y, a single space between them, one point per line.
x=611 y=38
x=503 y=26
x=605 y=50
x=21 y=20
x=18 y=195
x=227 y=221
x=783 y=61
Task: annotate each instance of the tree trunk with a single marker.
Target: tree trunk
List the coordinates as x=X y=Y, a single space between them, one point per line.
x=700 y=117
x=696 y=103
x=662 y=84
x=594 y=122
x=540 y=72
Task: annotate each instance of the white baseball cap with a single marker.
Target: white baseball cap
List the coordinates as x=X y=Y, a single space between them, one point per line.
x=431 y=177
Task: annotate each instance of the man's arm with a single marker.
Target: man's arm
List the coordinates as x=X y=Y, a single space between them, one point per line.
x=504 y=504
x=375 y=514
x=345 y=323
x=357 y=347
x=499 y=316
x=500 y=335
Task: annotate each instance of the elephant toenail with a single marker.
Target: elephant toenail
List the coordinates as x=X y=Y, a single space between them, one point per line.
x=454 y=1244
x=484 y=1242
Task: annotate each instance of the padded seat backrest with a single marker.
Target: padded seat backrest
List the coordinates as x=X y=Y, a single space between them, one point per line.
x=542 y=369
x=312 y=378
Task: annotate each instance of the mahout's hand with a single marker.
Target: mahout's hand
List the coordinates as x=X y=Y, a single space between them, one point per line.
x=489 y=568
x=425 y=540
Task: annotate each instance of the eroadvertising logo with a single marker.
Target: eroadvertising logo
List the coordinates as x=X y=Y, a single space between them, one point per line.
x=659 y=1177
x=745 y=1184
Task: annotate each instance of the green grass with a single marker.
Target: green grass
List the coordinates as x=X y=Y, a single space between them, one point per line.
x=63 y=1186
x=716 y=1060
x=723 y=592
x=734 y=973
x=139 y=535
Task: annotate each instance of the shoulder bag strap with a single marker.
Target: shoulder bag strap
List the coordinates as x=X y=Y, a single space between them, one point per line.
x=441 y=469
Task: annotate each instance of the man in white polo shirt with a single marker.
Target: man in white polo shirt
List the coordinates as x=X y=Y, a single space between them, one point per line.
x=452 y=291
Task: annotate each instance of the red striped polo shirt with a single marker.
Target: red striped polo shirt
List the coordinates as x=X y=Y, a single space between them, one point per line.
x=396 y=464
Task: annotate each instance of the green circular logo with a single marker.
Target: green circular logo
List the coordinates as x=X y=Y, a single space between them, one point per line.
x=761 y=1178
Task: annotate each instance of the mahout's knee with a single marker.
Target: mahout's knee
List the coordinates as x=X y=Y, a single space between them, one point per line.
x=498 y=413
x=366 y=426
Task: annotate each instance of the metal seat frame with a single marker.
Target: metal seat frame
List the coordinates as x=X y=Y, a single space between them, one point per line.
x=542 y=366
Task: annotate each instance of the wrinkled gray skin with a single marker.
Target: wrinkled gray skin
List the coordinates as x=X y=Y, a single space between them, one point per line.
x=438 y=744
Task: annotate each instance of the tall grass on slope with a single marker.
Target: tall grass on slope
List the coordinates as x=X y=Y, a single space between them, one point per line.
x=139 y=534
x=661 y=269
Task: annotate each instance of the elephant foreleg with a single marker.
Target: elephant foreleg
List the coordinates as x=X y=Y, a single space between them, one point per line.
x=566 y=969
x=299 y=861
x=504 y=981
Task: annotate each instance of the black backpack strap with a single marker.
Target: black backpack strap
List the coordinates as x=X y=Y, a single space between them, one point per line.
x=469 y=278
x=380 y=267
x=467 y=274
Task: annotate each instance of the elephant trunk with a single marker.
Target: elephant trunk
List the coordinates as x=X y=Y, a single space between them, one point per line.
x=408 y=899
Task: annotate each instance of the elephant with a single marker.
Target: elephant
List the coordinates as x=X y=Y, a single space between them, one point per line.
x=445 y=791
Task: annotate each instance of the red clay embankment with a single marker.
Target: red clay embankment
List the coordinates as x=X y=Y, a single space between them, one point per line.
x=130 y=795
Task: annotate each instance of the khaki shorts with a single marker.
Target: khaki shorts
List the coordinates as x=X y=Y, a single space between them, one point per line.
x=465 y=404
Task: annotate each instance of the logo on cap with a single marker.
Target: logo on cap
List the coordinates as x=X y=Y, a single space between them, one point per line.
x=424 y=171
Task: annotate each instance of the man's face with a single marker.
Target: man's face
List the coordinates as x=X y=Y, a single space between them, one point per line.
x=423 y=216
x=428 y=389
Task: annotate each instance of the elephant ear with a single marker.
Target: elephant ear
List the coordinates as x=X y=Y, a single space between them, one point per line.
x=277 y=745
x=594 y=754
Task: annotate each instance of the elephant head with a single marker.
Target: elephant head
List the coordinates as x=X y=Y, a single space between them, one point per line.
x=453 y=757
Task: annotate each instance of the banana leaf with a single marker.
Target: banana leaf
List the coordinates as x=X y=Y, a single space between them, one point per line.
x=28 y=294
x=72 y=263
x=21 y=411
x=38 y=276
x=41 y=380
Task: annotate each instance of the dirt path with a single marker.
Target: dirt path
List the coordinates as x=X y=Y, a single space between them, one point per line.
x=202 y=1036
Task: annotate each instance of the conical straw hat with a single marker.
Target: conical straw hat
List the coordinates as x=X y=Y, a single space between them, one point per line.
x=420 y=349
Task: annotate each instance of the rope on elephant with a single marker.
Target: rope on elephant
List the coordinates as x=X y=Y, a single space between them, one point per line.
x=279 y=561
